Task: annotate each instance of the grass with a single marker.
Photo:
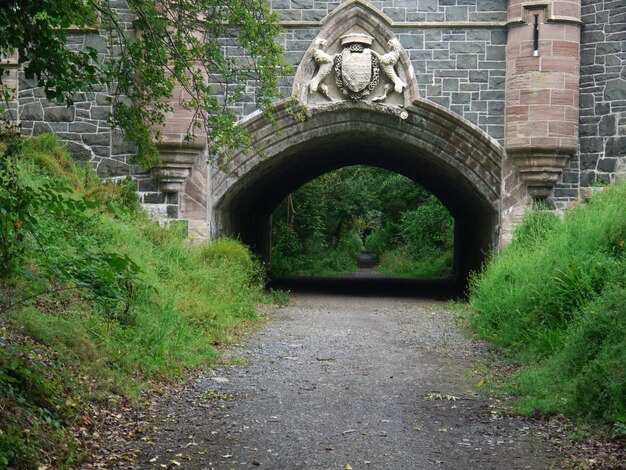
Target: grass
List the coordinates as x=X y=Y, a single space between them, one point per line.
x=555 y=300
x=68 y=342
x=398 y=263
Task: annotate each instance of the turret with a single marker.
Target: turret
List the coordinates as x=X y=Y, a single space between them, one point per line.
x=542 y=88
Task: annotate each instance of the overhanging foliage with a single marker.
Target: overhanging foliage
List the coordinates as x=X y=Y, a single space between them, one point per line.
x=212 y=49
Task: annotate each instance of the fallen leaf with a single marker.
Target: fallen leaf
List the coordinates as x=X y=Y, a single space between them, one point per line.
x=348 y=467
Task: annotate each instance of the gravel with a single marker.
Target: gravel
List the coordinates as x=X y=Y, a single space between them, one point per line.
x=340 y=382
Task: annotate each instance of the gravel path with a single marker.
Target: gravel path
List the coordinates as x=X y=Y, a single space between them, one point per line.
x=337 y=382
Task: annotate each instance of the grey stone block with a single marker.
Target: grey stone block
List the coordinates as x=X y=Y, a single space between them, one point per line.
x=458 y=13
x=608 y=125
x=498 y=37
x=149 y=184
x=615 y=90
x=154 y=198
x=100 y=113
x=496 y=52
x=59 y=114
x=587 y=178
x=80 y=152
x=172 y=198
x=616 y=147
x=607 y=165
x=591 y=145
x=565 y=192
x=467 y=61
x=427 y=5
x=480 y=76
x=396 y=14
x=301 y=4
x=32 y=112
x=461 y=98
x=41 y=128
x=467 y=47
x=82 y=127
x=313 y=15
x=97 y=139
x=491 y=5
x=97 y=42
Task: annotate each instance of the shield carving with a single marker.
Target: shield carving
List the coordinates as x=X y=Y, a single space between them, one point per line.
x=356 y=69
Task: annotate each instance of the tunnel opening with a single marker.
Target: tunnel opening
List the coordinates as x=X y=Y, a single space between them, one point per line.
x=448 y=157
x=361 y=221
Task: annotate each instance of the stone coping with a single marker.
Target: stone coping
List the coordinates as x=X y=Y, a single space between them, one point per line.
x=408 y=24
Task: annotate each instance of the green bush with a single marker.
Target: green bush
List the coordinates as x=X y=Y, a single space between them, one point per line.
x=379 y=241
x=427 y=229
x=112 y=299
x=556 y=298
x=399 y=262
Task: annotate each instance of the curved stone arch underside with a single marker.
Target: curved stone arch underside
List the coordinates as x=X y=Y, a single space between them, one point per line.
x=447 y=155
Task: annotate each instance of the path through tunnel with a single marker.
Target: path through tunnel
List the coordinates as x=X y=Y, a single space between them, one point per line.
x=445 y=155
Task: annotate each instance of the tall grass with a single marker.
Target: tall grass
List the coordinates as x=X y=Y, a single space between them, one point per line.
x=556 y=299
x=186 y=299
x=400 y=263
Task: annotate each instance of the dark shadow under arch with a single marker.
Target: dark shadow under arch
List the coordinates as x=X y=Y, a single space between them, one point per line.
x=444 y=154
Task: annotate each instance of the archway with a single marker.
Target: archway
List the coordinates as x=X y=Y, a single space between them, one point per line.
x=445 y=154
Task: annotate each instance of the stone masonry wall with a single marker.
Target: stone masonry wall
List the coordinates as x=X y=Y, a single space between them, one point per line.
x=400 y=10
x=603 y=92
x=457 y=48
x=85 y=126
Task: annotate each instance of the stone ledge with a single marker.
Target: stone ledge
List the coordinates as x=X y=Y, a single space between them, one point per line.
x=408 y=24
x=177 y=160
x=540 y=169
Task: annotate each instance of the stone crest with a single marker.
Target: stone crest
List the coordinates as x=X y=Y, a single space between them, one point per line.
x=357 y=68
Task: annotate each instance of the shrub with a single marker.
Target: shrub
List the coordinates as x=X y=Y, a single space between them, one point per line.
x=110 y=300
x=427 y=229
x=400 y=263
x=556 y=299
x=379 y=241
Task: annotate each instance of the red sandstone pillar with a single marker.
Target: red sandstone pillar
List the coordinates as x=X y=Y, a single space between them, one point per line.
x=542 y=86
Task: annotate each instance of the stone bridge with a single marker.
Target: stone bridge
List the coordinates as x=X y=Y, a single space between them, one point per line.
x=488 y=104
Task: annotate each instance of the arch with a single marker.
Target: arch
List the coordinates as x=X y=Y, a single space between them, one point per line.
x=447 y=155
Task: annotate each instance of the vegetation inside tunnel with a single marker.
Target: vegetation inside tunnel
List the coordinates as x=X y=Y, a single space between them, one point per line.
x=323 y=227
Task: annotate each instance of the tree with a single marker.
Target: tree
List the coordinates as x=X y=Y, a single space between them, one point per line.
x=213 y=49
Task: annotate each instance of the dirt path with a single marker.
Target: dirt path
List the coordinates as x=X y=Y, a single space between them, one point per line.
x=346 y=382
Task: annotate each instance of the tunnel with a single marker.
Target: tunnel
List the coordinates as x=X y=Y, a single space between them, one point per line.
x=447 y=156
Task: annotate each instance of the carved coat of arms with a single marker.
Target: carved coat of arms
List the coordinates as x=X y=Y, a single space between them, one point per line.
x=357 y=68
